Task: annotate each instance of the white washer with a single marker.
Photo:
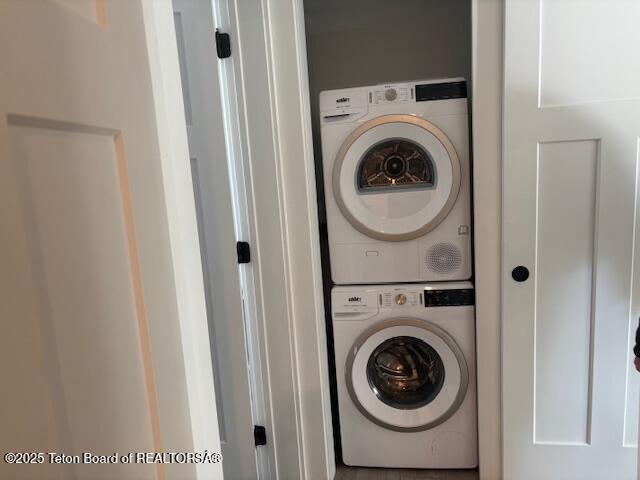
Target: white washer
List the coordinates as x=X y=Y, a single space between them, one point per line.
x=406 y=375
x=396 y=176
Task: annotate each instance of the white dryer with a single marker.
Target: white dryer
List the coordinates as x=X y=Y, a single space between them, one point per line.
x=396 y=176
x=406 y=375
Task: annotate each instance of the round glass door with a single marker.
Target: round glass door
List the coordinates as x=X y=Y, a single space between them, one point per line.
x=396 y=177
x=405 y=372
x=395 y=164
x=406 y=375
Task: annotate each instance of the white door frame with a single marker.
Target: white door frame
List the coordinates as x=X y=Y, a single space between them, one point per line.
x=286 y=308
x=487 y=21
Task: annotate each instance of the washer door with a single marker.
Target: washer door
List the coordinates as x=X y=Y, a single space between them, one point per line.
x=396 y=177
x=407 y=375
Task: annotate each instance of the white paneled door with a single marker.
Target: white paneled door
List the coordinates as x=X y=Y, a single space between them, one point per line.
x=102 y=328
x=571 y=142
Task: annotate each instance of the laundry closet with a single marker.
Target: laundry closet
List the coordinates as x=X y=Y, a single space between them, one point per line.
x=390 y=107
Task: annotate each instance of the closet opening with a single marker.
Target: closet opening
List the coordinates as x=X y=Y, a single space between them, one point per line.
x=391 y=113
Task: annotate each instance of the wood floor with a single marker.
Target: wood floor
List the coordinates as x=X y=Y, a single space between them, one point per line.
x=360 y=473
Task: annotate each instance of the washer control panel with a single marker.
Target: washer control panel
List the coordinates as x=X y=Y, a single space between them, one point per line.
x=449 y=298
x=353 y=303
x=385 y=94
x=399 y=298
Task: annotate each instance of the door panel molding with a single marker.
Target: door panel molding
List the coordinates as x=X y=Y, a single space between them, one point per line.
x=577 y=324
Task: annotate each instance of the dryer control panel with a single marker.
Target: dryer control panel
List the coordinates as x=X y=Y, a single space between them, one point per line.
x=396 y=93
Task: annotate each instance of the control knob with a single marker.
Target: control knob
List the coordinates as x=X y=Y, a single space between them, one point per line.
x=391 y=94
x=401 y=299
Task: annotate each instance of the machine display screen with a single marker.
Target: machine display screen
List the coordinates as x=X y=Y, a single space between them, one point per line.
x=449 y=298
x=441 y=91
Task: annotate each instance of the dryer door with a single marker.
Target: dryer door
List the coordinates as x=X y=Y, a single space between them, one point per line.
x=396 y=177
x=407 y=375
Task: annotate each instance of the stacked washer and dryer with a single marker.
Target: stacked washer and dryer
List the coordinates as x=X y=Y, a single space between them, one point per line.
x=397 y=186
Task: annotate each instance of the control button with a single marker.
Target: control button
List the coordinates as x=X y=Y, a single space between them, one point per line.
x=401 y=299
x=391 y=94
x=371 y=253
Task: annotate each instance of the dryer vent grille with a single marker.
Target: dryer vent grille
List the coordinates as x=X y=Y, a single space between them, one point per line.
x=443 y=258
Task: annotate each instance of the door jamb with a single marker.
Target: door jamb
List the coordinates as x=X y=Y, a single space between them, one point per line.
x=225 y=18
x=487 y=71
x=272 y=165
